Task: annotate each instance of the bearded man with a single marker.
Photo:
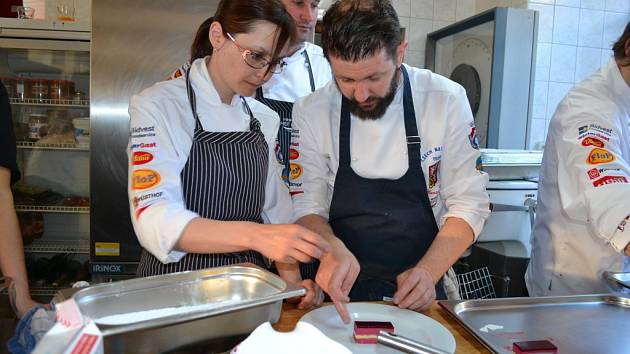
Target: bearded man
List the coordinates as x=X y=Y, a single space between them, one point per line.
x=385 y=165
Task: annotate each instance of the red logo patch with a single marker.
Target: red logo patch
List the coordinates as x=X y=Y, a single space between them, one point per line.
x=142 y=157
x=293 y=154
x=590 y=141
x=593 y=173
x=610 y=180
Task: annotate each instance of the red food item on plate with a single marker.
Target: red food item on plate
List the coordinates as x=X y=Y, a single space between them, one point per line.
x=534 y=346
x=365 y=332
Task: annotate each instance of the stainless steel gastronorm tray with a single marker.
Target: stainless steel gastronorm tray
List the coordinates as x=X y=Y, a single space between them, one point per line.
x=575 y=324
x=258 y=294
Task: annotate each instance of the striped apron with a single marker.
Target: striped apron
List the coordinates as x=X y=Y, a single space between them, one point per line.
x=223 y=179
x=283 y=145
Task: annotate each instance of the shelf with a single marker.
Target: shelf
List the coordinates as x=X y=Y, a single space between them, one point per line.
x=58 y=246
x=51 y=103
x=32 y=145
x=43 y=290
x=53 y=209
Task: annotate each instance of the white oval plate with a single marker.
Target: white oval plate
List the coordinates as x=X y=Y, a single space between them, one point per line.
x=407 y=323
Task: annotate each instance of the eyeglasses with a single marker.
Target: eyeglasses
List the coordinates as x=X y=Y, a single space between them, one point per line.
x=257 y=60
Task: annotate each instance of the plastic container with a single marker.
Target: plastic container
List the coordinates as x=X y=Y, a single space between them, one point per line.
x=40 y=89
x=78 y=97
x=20 y=88
x=81 y=130
x=37 y=126
x=61 y=90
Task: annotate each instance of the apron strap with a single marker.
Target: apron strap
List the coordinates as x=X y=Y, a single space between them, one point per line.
x=307 y=63
x=192 y=99
x=254 y=124
x=414 y=142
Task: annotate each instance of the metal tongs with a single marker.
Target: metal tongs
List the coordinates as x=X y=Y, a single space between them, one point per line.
x=618 y=281
x=407 y=345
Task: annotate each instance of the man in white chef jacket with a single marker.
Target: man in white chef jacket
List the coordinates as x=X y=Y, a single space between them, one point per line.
x=584 y=192
x=386 y=166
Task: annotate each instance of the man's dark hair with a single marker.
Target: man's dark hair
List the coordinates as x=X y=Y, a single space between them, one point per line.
x=353 y=30
x=621 y=46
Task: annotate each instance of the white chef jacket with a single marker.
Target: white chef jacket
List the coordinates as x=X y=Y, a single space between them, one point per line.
x=293 y=82
x=162 y=125
x=584 y=195
x=378 y=148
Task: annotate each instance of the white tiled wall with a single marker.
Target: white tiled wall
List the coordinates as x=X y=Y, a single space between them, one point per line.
x=421 y=17
x=574 y=40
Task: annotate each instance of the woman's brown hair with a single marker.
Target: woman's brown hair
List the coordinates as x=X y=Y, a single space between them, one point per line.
x=239 y=16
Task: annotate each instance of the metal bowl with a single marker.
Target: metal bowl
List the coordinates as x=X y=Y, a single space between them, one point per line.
x=251 y=295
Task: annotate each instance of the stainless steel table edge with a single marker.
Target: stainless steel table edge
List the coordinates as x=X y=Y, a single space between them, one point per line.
x=454 y=307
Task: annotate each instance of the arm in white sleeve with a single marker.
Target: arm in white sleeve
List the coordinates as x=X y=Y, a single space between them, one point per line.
x=309 y=183
x=593 y=176
x=463 y=187
x=158 y=212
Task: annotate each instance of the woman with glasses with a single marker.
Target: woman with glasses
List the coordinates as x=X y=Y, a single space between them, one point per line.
x=204 y=187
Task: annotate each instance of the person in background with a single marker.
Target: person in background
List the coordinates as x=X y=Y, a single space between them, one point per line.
x=582 y=225
x=204 y=186
x=307 y=70
x=11 y=247
x=388 y=155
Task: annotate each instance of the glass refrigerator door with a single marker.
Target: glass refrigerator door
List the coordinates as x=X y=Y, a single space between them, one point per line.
x=48 y=86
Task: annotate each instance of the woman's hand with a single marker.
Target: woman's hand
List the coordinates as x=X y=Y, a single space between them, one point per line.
x=313 y=298
x=20 y=300
x=289 y=243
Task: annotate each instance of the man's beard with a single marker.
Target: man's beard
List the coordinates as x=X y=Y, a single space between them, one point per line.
x=381 y=105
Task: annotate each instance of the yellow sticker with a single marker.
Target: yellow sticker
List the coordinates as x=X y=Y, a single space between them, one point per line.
x=296 y=170
x=145 y=179
x=598 y=156
x=107 y=248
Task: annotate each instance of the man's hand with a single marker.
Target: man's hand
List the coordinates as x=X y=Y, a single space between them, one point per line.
x=628 y=249
x=416 y=289
x=313 y=298
x=338 y=270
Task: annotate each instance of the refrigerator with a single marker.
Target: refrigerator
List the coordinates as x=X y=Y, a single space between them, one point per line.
x=134 y=45
x=493 y=56
x=45 y=66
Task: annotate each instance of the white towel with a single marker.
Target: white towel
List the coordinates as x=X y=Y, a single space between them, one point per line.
x=304 y=339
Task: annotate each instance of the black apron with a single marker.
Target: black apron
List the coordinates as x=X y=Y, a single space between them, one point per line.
x=223 y=179
x=285 y=110
x=387 y=224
